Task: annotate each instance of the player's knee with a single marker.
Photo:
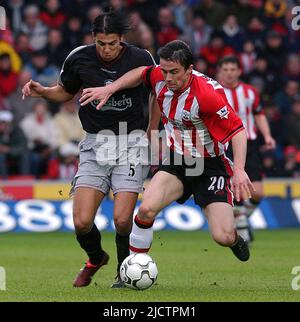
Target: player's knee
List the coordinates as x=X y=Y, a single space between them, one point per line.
x=82 y=226
x=224 y=238
x=146 y=212
x=123 y=225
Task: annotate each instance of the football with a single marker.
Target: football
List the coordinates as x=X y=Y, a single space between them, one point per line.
x=138 y=271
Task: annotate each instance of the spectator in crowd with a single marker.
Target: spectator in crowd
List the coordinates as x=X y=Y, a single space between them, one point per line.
x=34 y=28
x=68 y=125
x=148 y=42
x=6 y=48
x=73 y=31
x=201 y=65
x=275 y=10
x=40 y=70
x=248 y=57
x=181 y=12
x=52 y=15
x=232 y=33
x=293 y=125
x=277 y=126
x=256 y=31
x=8 y=78
x=22 y=47
x=267 y=78
x=6 y=33
x=244 y=11
x=167 y=30
x=274 y=51
x=77 y=7
x=215 y=12
x=93 y=12
x=148 y=9
x=137 y=29
x=270 y=164
x=56 y=49
x=13 y=147
x=14 y=9
x=65 y=165
x=285 y=98
x=118 y=6
x=292 y=68
x=198 y=33
x=20 y=108
x=214 y=51
x=87 y=39
x=39 y=129
x=291 y=162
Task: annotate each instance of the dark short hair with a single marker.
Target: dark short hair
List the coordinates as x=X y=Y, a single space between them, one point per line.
x=110 y=23
x=229 y=59
x=177 y=51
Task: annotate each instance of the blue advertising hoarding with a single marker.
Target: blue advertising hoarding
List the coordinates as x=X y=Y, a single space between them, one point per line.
x=36 y=215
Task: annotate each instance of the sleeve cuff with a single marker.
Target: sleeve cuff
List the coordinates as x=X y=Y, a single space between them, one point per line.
x=231 y=134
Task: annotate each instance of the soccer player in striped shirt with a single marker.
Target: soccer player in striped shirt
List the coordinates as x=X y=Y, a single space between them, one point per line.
x=245 y=100
x=198 y=122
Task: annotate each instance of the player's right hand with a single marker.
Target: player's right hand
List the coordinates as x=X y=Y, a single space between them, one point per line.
x=102 y=94
x=33 y=89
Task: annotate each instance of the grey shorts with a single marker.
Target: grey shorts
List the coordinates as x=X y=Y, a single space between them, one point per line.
x=103 y=167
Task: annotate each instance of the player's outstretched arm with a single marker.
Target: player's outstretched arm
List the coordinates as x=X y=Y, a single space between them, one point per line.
x=154 y=114
x=152 y=129
x=263 y=126
x=242 y=186
x=55 y=93
x=131 y=79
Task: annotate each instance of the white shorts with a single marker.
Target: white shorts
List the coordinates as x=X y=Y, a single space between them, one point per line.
x=103 y=168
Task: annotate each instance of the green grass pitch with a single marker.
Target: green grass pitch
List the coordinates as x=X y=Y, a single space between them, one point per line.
x=192 y=268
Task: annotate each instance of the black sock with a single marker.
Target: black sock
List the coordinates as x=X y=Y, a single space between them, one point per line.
x=122 y=243
x=91 y=243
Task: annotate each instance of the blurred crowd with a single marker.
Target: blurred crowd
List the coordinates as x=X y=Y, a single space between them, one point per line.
x=39 y=138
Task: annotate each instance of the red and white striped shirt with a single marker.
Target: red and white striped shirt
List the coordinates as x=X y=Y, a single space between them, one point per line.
x=198 y=119
x=245 y=101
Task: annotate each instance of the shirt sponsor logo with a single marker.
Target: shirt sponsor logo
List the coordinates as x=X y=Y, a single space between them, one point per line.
x=115 y=105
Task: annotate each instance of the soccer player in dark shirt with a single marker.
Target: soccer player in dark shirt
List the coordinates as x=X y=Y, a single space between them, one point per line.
x=198 y=123
x=98 y=65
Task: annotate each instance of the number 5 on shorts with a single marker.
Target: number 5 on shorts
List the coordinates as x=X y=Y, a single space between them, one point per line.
x=131 y=170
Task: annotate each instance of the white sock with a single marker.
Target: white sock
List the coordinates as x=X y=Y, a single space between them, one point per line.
x=141 y=236
x=243 y=227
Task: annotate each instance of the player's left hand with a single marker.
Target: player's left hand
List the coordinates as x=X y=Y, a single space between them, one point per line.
x=101 y=94
x=242 y=186
x=270 y=143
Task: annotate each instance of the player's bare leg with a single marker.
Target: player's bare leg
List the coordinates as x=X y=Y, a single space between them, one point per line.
x=221 y=222
x=163 y=189
x=124 y=204
x=86 y=203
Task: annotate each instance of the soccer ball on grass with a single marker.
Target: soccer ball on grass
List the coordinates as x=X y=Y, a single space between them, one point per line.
x=138 y=271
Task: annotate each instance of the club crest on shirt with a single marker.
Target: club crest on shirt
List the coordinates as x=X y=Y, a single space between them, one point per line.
x=108 y=82
x=223 y=112
x=186 y=115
